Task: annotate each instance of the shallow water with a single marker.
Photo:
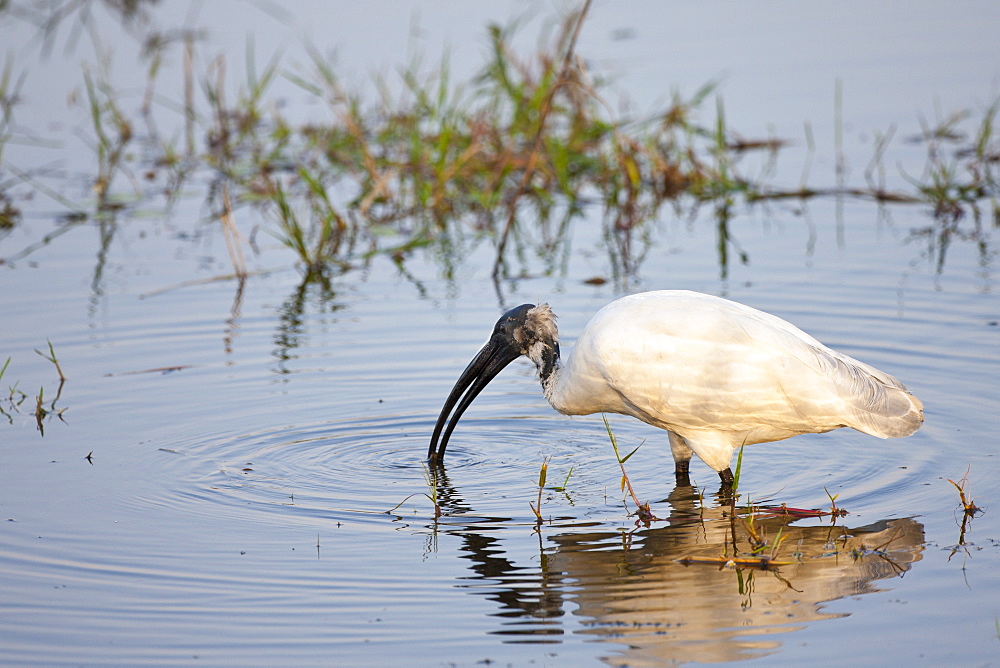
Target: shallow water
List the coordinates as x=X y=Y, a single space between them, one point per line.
x=255 y=491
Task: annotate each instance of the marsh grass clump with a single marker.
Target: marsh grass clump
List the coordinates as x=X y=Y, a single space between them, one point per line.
x=529 y=138
x=960 y=182
x=512 y=159
x=762 y=548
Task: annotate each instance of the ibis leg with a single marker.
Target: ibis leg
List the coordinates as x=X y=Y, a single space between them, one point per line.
x=681 y=473
x=682 y=458
x=726 y=475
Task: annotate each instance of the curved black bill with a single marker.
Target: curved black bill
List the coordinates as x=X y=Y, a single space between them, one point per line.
x=498 y=352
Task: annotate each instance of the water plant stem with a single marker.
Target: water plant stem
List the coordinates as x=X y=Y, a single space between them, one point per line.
x=537 y=509
x=643 y=511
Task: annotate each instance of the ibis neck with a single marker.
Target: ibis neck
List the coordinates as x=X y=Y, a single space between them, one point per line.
x=545 y=355
x=550 y=363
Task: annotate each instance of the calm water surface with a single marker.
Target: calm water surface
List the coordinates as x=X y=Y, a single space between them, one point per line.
x=255 y=493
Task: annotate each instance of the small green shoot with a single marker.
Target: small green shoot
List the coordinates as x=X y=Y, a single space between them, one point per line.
x=542 y=475
x=758 y=541
x=835 y=510
x=736 y=474
x=778 y=540
x=642 y=509
x=50 y=357
x=565 y=485
x=756 y=538
x=749 y=520
x=431 y=480
x=40 y=411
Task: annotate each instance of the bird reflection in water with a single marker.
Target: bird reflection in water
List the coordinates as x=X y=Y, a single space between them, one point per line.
x=635 y=591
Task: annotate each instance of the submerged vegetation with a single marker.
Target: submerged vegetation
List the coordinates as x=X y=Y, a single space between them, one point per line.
x=511 y=158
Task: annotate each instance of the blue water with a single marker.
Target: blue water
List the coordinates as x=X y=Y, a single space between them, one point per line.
x=255 y=491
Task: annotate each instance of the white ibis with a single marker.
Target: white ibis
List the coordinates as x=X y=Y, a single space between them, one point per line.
x=714 y=373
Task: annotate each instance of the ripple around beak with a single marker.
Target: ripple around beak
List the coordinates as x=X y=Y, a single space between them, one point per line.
x=498 y=352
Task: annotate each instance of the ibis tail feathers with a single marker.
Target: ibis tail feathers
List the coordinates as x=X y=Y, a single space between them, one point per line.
x=873 y=401
x=881 y=405
x=897 y=414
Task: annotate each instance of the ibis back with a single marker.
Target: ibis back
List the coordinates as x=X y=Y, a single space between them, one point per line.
x=701 y=365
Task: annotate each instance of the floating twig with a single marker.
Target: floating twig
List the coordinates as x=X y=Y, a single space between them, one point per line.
x=762 y=562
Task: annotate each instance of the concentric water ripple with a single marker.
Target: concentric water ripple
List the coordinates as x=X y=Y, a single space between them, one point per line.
x=357 y=470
